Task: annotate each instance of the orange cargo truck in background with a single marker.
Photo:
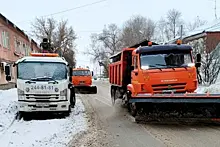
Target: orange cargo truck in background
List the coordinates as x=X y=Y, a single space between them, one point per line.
x=159 y=81
x=82 y=81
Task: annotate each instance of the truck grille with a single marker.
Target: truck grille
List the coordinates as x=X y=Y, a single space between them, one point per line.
x=42 y=98
x=162 y=88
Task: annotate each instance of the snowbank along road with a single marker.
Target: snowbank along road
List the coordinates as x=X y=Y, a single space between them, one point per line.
x=113 y=126
x=45 y=133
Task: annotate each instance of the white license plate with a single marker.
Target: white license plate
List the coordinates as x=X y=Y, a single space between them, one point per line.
x=42 y=105
x=169 y=90
x=42 y=87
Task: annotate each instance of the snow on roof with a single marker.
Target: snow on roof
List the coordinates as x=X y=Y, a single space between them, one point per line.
x=213 y=26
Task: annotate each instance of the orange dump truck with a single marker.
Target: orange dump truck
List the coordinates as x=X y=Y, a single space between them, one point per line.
x=159 y=81
x=82 y=81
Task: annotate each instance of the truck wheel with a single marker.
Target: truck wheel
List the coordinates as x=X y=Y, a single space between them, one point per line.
x=67 y=113
x=72 y=98
x=133 y=109
x=113 y=96
x=94 y=90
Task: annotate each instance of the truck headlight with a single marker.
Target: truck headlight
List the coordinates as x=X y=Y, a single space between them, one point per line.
x=20 y=92
x=63 y=93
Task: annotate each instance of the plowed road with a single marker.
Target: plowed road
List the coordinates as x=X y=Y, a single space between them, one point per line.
x=112 y=127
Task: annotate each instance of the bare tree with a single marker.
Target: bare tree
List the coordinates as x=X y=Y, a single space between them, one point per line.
x=195 y=24
x=210 y=59
x=59 y=35
x=137 y=29
x=105 y=44
x=173 y=22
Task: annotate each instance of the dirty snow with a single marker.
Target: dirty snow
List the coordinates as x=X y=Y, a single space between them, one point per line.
x=37 y=133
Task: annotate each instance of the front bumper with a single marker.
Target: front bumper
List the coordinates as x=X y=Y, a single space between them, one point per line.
x=43 y=106
x=176 y=98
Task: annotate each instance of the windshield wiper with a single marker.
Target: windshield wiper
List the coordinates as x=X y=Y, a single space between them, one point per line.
x=166 y=66
x=30 y=81
x=44 y=79
x=155 y=67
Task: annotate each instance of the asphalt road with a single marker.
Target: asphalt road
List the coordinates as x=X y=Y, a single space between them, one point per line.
x=113 y=126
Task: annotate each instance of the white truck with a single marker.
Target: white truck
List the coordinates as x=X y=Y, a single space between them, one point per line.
x=44 y=84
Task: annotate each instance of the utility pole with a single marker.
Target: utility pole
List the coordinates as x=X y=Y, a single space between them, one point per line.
x=181 y=32
x=215 y=11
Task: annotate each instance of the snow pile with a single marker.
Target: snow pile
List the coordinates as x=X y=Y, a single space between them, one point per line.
x=8 y=108
x=37 y=133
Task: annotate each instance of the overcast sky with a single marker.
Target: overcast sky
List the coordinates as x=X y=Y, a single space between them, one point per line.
x=91 y=19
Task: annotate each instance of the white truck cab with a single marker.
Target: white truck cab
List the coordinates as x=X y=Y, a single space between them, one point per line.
x=43 y=83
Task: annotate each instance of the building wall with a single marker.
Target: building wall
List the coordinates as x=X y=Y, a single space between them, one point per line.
x=212 y=40
x=14 y=44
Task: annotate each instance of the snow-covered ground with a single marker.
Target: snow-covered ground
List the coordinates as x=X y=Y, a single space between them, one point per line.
x=44 y=133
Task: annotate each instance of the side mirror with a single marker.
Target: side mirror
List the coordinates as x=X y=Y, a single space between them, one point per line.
x=7 y=70
x=70 y=79
x=8 y=78
x=132 y=67
x=198 y=60
x=92 y=73
x=198 y=57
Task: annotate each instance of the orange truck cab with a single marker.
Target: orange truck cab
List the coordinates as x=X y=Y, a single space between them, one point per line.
x=163 y=75
x=82 y=80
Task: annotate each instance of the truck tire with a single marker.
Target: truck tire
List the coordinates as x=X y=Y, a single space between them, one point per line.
x=67 y=113
x=72 y=98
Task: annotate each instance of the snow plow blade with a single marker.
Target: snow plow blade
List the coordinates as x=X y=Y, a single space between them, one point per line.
x=177 y=98
x=162 y=107
x=86 y=89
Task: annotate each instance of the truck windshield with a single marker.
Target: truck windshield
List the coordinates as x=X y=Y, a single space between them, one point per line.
x=32 y=70
x=165 y=60
x=81 y=73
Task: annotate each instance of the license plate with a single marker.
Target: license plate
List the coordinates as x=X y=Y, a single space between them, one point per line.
x=169 y=90
x=42 y=87
x=42 y=105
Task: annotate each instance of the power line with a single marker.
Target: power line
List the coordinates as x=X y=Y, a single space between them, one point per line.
x=59 y=12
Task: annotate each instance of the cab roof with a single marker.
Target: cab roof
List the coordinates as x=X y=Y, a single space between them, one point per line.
x=166 y=47
x=42 y=59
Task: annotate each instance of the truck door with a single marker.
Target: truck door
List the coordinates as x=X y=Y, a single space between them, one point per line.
x=134 y=73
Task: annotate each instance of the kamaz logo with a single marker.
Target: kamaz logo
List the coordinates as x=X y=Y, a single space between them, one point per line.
x=173 y=80
x=169 y=86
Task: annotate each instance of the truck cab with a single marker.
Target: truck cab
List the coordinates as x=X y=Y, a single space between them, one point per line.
x=43 y=84
x=163 y=69
x=82 y=80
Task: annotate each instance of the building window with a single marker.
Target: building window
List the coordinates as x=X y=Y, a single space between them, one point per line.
x=5 y=40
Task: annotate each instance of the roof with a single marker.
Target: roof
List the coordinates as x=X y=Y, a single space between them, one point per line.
x=213 y=26
x=17 y=29
x=172 y=47
x=142 y=43
x=42 y=59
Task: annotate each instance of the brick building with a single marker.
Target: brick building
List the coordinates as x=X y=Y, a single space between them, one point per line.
x=14 y=44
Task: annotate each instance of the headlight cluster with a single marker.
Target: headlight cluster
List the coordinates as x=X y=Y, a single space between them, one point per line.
x=63 y=93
